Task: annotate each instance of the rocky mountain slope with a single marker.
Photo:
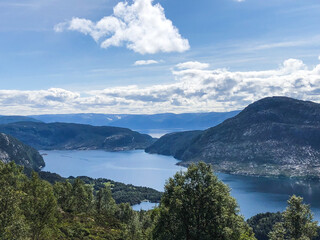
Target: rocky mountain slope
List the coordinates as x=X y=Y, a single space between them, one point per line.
x=275 y=136
x=12 y=149
x=76 y=136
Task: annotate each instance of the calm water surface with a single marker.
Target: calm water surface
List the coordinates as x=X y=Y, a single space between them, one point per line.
x=134 y=167
x=254 y=195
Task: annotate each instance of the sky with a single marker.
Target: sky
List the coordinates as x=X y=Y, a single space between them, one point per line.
x=155 y=56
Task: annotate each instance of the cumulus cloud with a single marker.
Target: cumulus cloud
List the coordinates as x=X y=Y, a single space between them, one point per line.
x=145 y=62
x=196 y=88
x=142 y=26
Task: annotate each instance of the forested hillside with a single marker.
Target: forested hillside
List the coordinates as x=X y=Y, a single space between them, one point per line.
x=122 y=193
x=55 y=136
x=276 y=136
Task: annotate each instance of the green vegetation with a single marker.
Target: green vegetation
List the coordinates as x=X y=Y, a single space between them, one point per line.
x=121 y=193
x=31 y=208
x=124 y=193
x=263 y=223
x=194 y=206
x=297 y=222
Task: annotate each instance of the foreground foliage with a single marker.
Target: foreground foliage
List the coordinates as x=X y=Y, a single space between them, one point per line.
x=263 y=223
x=297 y=222
x=195 y=206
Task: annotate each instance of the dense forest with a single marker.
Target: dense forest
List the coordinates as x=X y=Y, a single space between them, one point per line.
x=122 y=193
x=195 y=205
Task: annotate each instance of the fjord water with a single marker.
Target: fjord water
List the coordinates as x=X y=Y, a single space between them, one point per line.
x=132 y=167
x=254 y=195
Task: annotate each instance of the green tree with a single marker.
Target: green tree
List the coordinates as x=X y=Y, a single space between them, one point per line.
x=263 y=223
x=105 y=204
x=63 y=194
x=13 y=224
x=278 y=232
x=40 y=208
x=198 y=206
x=82 y=197
x=297 y=222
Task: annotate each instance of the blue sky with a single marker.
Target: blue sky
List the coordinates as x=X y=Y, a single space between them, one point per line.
x=237 y=52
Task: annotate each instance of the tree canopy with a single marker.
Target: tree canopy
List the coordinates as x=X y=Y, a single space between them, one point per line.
x=198 y=206
x=297 y=222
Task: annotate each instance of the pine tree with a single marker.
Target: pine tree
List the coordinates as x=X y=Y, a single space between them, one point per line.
x=63 y=194
x=278 y=232
x=13 y=224
x=105 y=204
x=297 y=222
x=40 y=208
x=82 y=197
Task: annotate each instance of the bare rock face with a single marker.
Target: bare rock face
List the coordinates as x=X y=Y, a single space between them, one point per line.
x=275 y=136
x=12 y=149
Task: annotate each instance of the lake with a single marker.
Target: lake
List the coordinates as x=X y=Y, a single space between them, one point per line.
x=254 y=195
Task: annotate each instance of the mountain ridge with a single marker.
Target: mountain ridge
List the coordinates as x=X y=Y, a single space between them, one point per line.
x=142 y=122
x=276 y=136
x=70 y=136
x=11 y=149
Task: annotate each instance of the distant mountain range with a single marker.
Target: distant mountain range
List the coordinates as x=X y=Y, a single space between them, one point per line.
x=49 y=136
x=142 y=123
x=12 y=119
x=12 y=149
x=275 y=136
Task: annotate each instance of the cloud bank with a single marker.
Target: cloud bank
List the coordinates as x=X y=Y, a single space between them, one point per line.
x=196 y=88
x=142 y=26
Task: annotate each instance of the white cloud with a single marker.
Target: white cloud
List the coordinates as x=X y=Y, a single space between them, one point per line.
x=197 y=88
x=145 y=62
x=194 y=65
x=142 y=26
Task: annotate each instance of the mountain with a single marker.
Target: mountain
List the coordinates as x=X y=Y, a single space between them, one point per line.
x=12 y=119
x=275 y=136
x=76 y=136
x=165 y=121
x=12 y=149
x=173 y=144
